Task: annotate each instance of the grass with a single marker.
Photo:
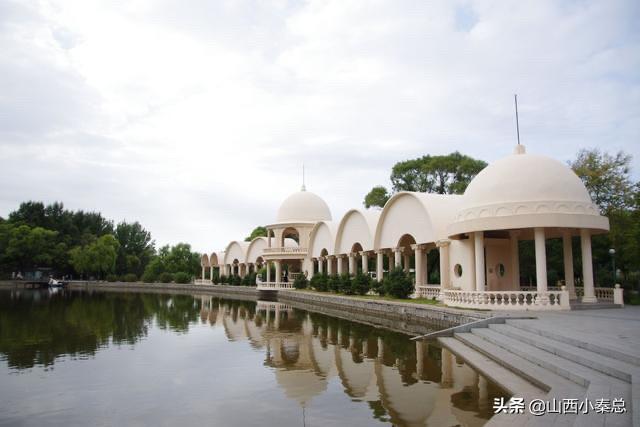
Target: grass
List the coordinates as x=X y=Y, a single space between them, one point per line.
x=425 y=301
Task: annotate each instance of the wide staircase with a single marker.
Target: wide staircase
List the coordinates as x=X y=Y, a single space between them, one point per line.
x=533 y=362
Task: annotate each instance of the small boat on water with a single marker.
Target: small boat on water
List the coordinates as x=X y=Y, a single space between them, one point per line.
x=53 y=283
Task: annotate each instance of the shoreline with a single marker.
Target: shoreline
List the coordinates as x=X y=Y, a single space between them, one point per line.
x=406 y=317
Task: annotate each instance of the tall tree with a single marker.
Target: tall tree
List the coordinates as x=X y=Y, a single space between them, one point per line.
x=607 y=178
x=23 y=247
x=97 y=258
x=259 y=231
x=136 y=248
x=449 y=174
x=378 y=196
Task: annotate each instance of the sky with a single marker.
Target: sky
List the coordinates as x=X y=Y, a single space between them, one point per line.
x=194 y=118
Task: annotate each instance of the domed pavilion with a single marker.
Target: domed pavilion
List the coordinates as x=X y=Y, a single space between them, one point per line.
x=462 y=249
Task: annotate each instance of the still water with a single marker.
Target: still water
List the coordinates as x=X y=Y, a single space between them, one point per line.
x=106 y=358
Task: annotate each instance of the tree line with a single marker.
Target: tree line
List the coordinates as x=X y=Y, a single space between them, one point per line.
x=86 y=245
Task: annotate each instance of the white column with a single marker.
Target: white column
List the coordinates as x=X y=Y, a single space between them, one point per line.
x=418 y=253
x=365 y=262
x=567 y=252
x=339 y=265
x=515 y=259
x=268 y=264
x=478 y=242
x=445 y=277
x=587 y=267
x=203 y=272
x=425 y=267
x=398 y=257
x=352 y=264
x=211 y=273
x=321 y=265
x=278 y=278
x=379 y=265
x=330 y=265
x=541 y=264
x=407 y=263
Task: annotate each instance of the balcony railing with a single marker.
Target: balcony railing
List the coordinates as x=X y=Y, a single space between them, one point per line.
x=508 y=300
x=275 y=285
x=286 y=250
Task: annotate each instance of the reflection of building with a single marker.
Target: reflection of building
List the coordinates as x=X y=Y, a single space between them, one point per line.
x=474 y=236
x=413 y=383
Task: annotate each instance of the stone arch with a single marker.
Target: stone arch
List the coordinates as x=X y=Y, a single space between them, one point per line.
x=322 y=238
x=235 y=250
x=255 y=249
x=214 y=260
x=204 y=261
x=356 y=227
x=423 y=216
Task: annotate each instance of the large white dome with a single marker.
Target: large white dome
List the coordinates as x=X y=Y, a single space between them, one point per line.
x=526 y=190
x=303 y=206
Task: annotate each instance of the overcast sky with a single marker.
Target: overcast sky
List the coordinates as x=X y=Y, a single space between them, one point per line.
x=195 y=120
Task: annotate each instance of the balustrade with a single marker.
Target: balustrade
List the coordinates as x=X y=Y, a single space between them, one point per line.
x=508 y=300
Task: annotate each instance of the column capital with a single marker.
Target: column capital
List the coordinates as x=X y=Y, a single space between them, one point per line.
x=443 y=243
x=331 y=256
x=381 y=251
x=398 y=249
x=352 y=254
x=364 y=253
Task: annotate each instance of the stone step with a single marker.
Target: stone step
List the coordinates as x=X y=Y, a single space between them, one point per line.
x=593 y=306
x=612 y=367
x=512 y=383
x=576 y=340
x=598 y=385
x=549 y=383
x=536 y=375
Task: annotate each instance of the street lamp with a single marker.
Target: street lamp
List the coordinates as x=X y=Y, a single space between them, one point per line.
x=612 y=252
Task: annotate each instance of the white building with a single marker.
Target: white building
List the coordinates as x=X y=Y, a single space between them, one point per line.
x=520 y=197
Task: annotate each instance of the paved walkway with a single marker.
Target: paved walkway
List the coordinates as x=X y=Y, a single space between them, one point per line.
x=618 y=328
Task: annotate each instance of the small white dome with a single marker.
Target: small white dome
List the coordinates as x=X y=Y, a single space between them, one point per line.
x=526 y=190
x=303 y=206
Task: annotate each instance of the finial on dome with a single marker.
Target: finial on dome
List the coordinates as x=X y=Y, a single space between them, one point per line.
x=304 y=188
x=519 y=149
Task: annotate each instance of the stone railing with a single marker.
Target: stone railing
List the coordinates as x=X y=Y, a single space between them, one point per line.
x=202 y=282
x=614 y=295
x=275 y=285
x=427 y=291
x=287 y=250
x=508 y=300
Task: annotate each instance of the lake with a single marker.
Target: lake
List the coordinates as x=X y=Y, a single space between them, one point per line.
x=124 y=358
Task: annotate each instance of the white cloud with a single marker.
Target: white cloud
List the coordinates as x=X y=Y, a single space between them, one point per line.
x=195 y=120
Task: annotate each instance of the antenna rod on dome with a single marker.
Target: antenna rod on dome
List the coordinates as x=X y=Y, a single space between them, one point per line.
x=515 y=96
x=304 y=188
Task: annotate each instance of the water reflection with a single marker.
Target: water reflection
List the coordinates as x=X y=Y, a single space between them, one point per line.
x=312 y=357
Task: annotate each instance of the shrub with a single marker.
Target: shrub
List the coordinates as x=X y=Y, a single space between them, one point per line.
x=222 y=279
x=148 y=277
x=333 y=283
x=377 y=287
x=345 y=284
x=360 y=284
x=112 y=278
x=130 y=277
x=398 y=284
x=236 y=281
x=182 y=277
x=301 y=282
x=165 y=277
x=215 y=278
x=319 y=282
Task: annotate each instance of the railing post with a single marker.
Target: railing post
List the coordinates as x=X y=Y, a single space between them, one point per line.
x=618 y=295
x=564 y=298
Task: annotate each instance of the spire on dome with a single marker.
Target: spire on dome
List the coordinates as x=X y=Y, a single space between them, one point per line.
x=304 y=188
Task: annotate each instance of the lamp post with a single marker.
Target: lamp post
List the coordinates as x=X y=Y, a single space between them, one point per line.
x=612 y=252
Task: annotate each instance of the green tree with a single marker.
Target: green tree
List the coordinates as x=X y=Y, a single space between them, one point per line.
x=23 y=247
x=173 y=259
x=378 y=196
x=97 y=258
x=136 y=248
x=398 y=284
x=607 y=178
x=259 y=231
x=448 y=174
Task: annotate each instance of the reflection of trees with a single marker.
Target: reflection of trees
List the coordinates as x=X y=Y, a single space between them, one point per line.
x=36 y=327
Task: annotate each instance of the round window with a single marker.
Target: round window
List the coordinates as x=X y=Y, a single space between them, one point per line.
x=457 y=270
x=500 y=269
